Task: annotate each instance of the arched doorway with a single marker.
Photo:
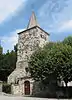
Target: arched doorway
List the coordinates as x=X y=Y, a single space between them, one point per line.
x=27 y=87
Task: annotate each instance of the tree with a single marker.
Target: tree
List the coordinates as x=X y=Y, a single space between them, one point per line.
x=39 y=64
x=49 y=45
x=1 y=56
x=68 y=40
x=15 y=49
x=7 y=63
x=1 y=49
x=62 y=61
x=54 y=61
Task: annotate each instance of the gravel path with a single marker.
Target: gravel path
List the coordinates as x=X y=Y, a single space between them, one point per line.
x=21 y=98
x=26 y=98
x=4 y=96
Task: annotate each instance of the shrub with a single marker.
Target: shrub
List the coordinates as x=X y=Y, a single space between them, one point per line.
x=6 y=88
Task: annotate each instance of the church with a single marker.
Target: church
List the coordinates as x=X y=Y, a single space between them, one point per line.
x=28 y=41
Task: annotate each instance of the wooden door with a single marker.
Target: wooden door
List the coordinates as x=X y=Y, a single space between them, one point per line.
x=27 y=87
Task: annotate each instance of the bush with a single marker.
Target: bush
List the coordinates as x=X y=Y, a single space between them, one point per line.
x=51 y=91
x=44 y=91
x=45 y=94
x=6 y=88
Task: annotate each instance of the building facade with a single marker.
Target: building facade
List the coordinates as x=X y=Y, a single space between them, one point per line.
x=28 y=41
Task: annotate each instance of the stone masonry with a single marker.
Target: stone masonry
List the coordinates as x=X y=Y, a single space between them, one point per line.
x=28 y=41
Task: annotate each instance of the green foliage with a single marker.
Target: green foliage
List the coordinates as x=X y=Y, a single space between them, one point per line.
x=61 y=59
x=6 y=88
x=41 y=68
x=68 y=41
x=37 y=63
x=1 y=60
x=55 y=61
x=1 y=56
x=7 y=64
x=1 y=49
x=49 y=45
x=15 y=49
x=9 y=61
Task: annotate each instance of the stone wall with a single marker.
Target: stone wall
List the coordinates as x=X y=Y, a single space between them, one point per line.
x=28 y=42
x=18 y=89
x=15 y=89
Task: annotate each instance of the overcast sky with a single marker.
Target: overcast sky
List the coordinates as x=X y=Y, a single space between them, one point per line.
x=54 y=16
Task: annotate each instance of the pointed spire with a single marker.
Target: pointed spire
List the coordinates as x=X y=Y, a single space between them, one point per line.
x=32 y=21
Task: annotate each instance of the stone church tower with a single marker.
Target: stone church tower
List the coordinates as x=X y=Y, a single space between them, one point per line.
x=28 y=41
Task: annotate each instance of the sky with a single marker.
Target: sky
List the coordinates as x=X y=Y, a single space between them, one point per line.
x=54 y=16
